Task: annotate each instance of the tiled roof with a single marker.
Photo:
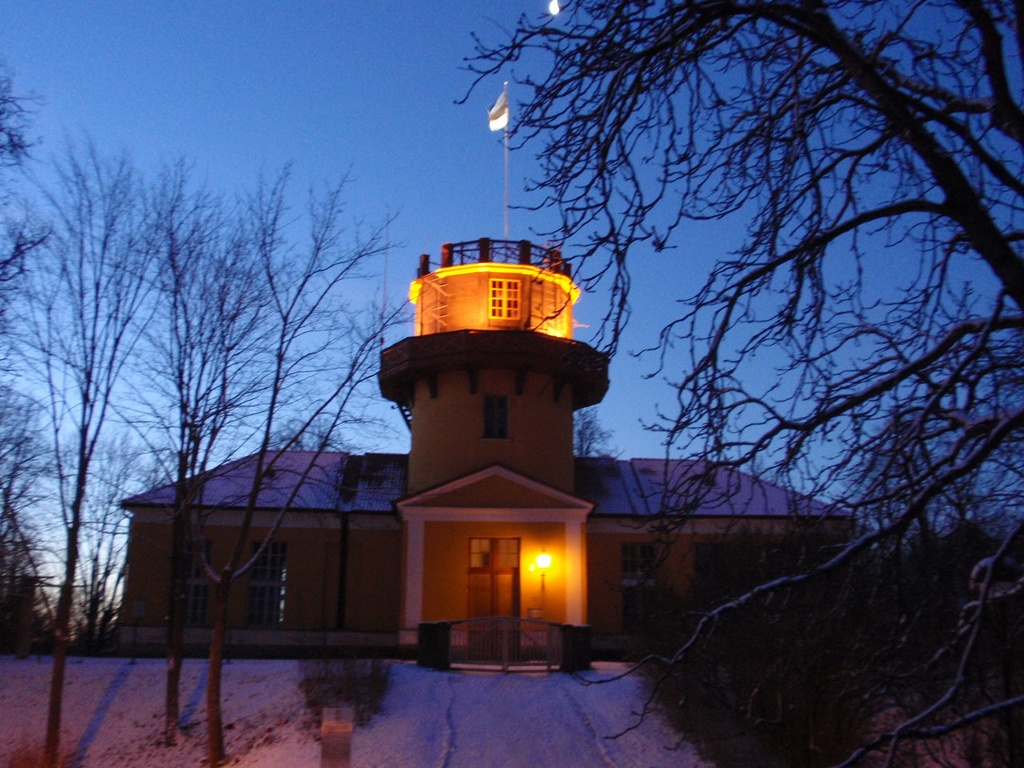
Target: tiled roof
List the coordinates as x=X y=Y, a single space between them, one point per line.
x=610 y=485
x=370 y=483
x=301 y=480
x=307 y=480
x=652 y=486
x=373 y=482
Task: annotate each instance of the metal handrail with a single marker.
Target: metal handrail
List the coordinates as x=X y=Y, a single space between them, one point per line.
x=505 y=642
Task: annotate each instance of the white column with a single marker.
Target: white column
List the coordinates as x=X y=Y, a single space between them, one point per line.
x=414 y=533
x=574 y=573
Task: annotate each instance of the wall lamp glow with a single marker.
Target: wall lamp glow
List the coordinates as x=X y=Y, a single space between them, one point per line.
x=542 y=562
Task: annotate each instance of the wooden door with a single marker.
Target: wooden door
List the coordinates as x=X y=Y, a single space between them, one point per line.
x=493 y=577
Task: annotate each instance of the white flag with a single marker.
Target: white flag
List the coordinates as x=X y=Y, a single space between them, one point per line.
x=498 y=116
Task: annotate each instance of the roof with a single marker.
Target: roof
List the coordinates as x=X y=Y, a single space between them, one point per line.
x=328 y=481
x=374 y=482
x=647 y=487
x=371 y=483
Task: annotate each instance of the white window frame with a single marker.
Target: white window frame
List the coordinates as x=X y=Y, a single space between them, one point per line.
x=505 y=299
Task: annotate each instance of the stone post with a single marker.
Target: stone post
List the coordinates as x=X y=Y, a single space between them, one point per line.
x=432 y=647
x=575 y=648
x=336 y=738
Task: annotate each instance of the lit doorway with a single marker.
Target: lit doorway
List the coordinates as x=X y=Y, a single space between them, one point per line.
x=493 y=577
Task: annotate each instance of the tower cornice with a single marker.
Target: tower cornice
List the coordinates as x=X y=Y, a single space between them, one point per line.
x=567 y=361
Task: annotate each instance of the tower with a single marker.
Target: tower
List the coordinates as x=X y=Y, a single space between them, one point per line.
x=492 y=375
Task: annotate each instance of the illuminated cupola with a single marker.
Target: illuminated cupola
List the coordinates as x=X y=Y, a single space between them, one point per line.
x=493 y=375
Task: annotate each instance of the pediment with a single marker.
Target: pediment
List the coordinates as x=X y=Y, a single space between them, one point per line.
x=496 y=488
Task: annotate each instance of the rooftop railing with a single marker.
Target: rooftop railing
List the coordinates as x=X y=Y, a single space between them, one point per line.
x=498 y=252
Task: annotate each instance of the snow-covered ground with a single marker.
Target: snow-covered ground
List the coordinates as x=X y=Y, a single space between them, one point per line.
x=112 y=717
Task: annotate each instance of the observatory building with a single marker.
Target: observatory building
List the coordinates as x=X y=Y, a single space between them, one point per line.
x=489 y=515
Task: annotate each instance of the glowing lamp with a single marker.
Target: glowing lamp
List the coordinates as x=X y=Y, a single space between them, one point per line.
x=543 y=561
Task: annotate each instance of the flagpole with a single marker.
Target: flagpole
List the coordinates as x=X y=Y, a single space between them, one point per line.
x=506 y=159
x=498 y=118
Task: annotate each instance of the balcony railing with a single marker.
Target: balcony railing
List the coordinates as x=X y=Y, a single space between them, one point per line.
x=499 y=252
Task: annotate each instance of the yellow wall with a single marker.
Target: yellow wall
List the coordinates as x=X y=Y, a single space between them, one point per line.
x=374 y=588
x=676 y=574
x=604 y=575
x=446 y=564
x=148 y=560
x=447 y=430
x=311 y=586
x=457 y=298
x=374 y=580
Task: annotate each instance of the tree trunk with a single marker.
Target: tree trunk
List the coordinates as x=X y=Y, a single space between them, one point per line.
x=214 y=717
x=61 y=640
x=175 y=637
x=25 y=616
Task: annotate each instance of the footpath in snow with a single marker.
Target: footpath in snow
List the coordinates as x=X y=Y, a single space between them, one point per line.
x=467 y=719
x=113 y=717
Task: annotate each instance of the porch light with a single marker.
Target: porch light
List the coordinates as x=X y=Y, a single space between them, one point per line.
x=542 y=563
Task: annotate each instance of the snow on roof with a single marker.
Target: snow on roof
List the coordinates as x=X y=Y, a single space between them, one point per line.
x=308 y=480
x=370 y=483
x=610 y=485
x=374 y=481
x=647 y=487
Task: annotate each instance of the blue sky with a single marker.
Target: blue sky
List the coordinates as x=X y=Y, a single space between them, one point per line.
x=332 y=88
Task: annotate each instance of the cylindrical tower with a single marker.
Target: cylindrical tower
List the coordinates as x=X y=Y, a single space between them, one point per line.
x=492 y=374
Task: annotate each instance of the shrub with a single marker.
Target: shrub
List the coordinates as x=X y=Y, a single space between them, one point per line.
x=812 y=671
x=359 y=683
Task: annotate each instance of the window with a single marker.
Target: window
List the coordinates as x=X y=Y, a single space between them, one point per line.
x=504 y=299
x=197 y=590
x=496 y=417
x=266 y=586
x=639 y=562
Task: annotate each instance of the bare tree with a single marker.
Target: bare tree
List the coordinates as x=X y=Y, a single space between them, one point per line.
x=589 y=437
x=22 y=469
x=119 y=470
x=315 y=337
x=21 y=462
x=19 y=234
x=85 y=304
x=206 y=336
x=864 y=342
x=256 y=348
x=14 y=143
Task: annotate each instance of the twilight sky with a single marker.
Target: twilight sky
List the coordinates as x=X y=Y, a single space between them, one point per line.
x=332 y=87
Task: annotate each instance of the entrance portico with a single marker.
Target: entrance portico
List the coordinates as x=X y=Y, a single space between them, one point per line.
x=476 y=540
